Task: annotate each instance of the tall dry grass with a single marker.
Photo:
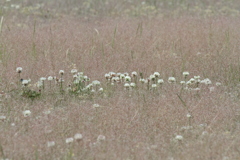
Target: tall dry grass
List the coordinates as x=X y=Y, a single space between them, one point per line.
x=139 y=124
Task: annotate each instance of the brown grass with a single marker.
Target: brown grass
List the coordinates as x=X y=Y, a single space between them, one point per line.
x=137 y=125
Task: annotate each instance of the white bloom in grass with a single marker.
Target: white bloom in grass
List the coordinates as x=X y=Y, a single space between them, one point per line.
x=156 y=74
x=115 y=79
x=154 y=85
x=50 y=143
x=96 y=105
x=25 y=82
x=128 y=79
x=196 y=77
x=171 y=80
x=50 y=78
x=185 y=74
x=42 y=79
x=218 y=84
x=192 y=80
x=100 y=90
x=160 y=81
x=73 y=71
x=182 y=82
x=112 y=84
x=69 y=140
x=179 y=137
x=118 y=74
x=196 y=89
x=126 y=74
x=39 y=84
x=86 y=78
x=96 y=82
x=206 y=81
x=19 y=69
x=134 y=73
x=132 y=85
x=26 y=113
x=78 y=137
x=142 y=80
x=2 y=118
x=152 y=77
x=61 y=72
x=112 y=74
x=126 y=85
x=101 y=138
x=189 y=115
x=122 y=76
x=107 y=76
x=80 y=74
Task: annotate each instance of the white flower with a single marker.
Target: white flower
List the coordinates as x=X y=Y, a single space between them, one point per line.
x=189 y=115
x=152 y=77
x=19 y=69
x=192 y=80
x=160 y=81
x=25 y=82
x=179 y=137
x=142 y=80
x=127 y=85
x=50 y=143
x=218 y=84
x=100 y=90
x=96 y=82
x=127 y=78
x=96 y=105
x=78 y=136
x=101 y=138
x=73 y=71
x=39 y=84
x=182 y=82
x=50 y=78
x=134 y=73
x=206 y=81
x=26 y=113
x=126 y=74
x=107 y=76
x=133 y=85
x=154 y=85
x=197 y=77
x=185 y=74
x=2 y=118
x=171 y=80
x=69 y=140
x=61 y=72
x=42 y=79
x=122 y=76
x=156 y=74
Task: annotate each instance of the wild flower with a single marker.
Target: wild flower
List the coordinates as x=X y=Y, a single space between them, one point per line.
x=101 y=138
x=61 y=72
x=134 y=73
x=141 y=80
x=156 y=74
x=42 y=79
x=122 y=76
x=185 y=74
x=152 y=77
x=107 y=76
x=26 y=113
x=25 y=82
x=50 y=78
x=218 y=84
x=189 y=115
x=128 y=79
x=78 y=137
x=50 y=143
x=19 y=69
x=179 y=137
x=160 y=81
x=39 y=84
x=182 y=82
x=69 y=140
x=126 y=74
x=133 y=85
x=74 y=71
x=100 y=90
x=115 y=79
x=154 y=85
x=206 y=81
x=171 y=80
x=2 y=118
x=126 y=85
x=96 y=105
x=96 y=82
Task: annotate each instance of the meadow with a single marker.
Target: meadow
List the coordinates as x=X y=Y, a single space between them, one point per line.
x=124 y=80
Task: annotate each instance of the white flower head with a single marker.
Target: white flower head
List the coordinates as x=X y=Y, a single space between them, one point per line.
x=107 y=76
x=179 y=137
x=182 y=82
x=122 y=76
x=185 y=74
x=96 y=105
x=152 y=77
x=50 y=143
x=218 y=84
x=160 y=81
x=189 y=115
x=19 y=69
x=50 y=78
x=39 y=84
x=2 y=118
x=101 y=138
x=132 y=85
x=100 y=90
x=61 y=72
x=126 y=85
x=78 y=137
x=142 y=80
x=26 y=113
x=134 y=73
x=154 y=85
x=171 y=80
x=42 y=79
x=25 y=82
x=69 y=140
x=128 y=79
x=156 y=74
x=73 y=71
x=96 y=82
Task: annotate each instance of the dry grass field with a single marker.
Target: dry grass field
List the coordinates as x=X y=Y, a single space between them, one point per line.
x=120 y=80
